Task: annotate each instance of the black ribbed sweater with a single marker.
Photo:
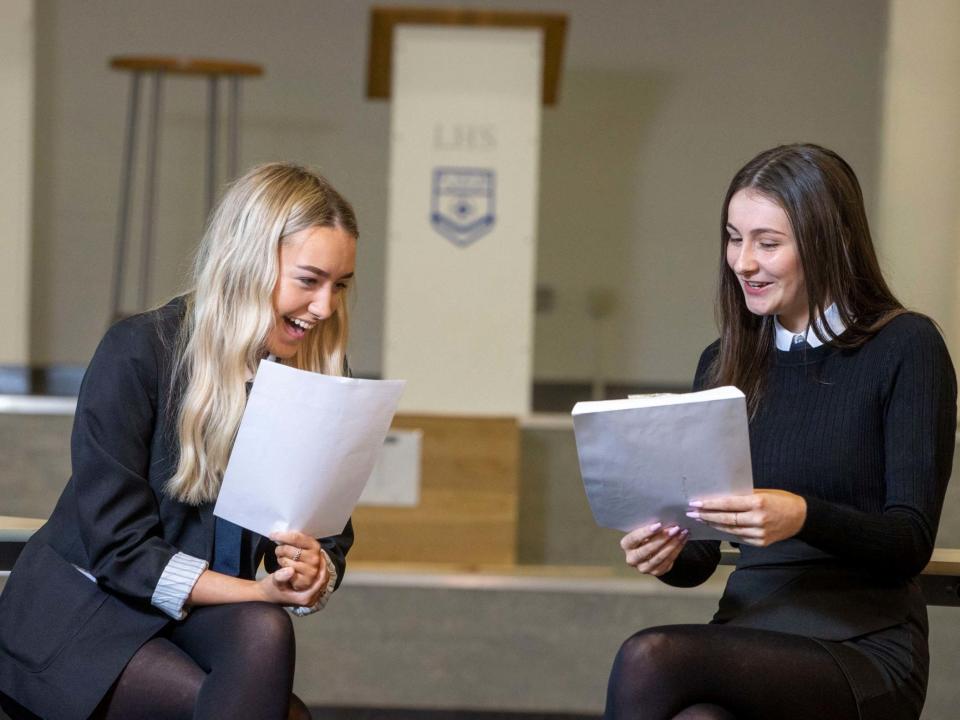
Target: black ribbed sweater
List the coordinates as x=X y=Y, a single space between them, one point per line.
x=866 y=436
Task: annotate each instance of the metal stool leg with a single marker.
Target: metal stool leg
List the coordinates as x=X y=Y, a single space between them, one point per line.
x=233 y=127
x=158 y=67
x=126 y=176
x=150 y=190
x=213 y=123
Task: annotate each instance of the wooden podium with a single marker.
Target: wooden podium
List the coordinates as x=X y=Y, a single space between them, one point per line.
x=467 y=515
x=466 y=88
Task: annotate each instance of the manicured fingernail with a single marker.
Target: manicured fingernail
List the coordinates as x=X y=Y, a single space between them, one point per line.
x=673 y=531
x=693 y=514
x=685 y=532
x=654 y=527
x=695 y=504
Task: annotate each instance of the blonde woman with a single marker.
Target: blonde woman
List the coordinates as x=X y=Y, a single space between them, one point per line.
x=134 y=600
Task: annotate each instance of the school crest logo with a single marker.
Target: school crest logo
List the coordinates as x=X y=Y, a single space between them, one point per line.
x=463 y=207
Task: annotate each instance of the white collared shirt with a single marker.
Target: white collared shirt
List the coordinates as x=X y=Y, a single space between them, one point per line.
x=829 y=319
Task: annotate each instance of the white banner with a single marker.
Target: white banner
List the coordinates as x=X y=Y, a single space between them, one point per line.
x=461 y=222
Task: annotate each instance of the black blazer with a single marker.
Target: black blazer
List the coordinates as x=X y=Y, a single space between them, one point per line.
x=64 y=639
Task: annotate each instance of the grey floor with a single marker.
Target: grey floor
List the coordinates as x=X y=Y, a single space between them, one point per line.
x=360 y=713
x=429 y=651
x=355 y=713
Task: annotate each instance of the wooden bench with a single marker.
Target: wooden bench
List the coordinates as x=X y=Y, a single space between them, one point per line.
x=14 y=533
x=940 y=580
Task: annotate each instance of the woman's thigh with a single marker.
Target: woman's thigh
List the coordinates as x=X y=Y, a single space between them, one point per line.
x=160 y=681
x=236 y=634
x=660 y=672
x=232 y=660
x=248 y=653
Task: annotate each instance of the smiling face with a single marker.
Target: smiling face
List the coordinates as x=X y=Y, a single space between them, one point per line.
x=316 y=265
x=762 y=252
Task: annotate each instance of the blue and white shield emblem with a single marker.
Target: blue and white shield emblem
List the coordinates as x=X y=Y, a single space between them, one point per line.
x=462 y=203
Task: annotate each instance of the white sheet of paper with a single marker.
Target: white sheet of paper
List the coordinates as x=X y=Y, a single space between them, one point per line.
x=395 y=479
x=305 y=449
x=645 y=458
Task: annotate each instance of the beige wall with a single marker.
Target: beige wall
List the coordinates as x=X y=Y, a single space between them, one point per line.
x=660 y=103
x=919 y=229
x=16 y=177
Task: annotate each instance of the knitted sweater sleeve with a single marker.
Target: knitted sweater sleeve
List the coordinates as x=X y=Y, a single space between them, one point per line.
x=919 y=425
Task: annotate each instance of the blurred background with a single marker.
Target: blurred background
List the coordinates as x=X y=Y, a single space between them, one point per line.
x=660 y=102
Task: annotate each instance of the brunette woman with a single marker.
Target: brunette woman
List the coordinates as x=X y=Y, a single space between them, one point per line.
x=852 y=406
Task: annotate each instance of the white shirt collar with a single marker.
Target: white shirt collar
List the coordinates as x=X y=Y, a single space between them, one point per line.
x=829 y=319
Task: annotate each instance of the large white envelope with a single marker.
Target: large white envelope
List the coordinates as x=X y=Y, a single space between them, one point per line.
x=305 y=449
x=645 y=458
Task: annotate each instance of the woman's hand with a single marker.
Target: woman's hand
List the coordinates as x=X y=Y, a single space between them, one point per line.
x=276 y=588
x=653 y=549
x=300 y=581
x=763 y=518
x=285 y=586
x=281 y=587
x=303 y=553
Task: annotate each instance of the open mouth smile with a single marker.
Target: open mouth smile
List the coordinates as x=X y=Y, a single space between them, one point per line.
x=297 y=327
x=751 y=287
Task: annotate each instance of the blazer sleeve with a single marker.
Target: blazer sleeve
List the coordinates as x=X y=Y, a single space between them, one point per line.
x=117 y=510
x=337 y=548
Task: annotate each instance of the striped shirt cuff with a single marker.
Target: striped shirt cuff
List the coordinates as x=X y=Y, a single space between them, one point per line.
x=327 y=592
x=176 y=583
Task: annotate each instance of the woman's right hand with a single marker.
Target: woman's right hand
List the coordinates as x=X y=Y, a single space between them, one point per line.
x=277 y=588
x=653 y=549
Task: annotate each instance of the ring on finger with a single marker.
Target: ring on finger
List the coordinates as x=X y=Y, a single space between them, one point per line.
x=736 y=519
x=296 y=556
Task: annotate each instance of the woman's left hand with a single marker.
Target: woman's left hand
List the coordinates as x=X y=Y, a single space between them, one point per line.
x=763 y=518
x=303 y=553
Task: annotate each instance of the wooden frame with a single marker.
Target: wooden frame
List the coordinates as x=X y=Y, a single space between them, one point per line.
x=384 y=19
x=184 y=66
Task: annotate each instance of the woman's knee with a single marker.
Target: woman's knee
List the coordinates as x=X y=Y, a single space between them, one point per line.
x=704 y=711
x=264 y=630
x=298 y=711
x=644 y=647
x=265 y=618
x=652 y=654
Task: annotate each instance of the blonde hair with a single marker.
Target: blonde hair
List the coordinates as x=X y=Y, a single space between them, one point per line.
x=229 y=314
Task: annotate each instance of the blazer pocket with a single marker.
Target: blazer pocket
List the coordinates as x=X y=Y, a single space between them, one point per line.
x=44 y=604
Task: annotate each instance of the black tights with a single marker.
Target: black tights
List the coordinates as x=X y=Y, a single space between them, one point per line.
x=715 y=672
x=223 y=661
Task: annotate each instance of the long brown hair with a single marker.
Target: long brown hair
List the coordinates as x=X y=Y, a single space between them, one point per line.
x=821 y=196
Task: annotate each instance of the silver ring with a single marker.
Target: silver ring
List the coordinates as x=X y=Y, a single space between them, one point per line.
x=296 y=556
